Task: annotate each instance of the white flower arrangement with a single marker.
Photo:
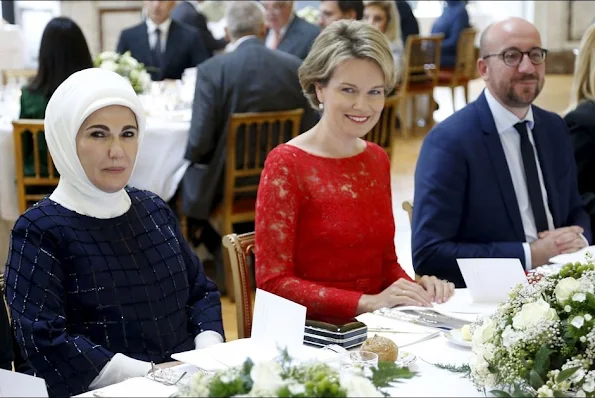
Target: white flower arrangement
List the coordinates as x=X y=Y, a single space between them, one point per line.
x=284 y=378
x=310 y=14
x=127 y=66
x=541 y=342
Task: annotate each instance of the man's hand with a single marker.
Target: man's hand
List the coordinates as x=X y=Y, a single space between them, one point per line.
x=568 y=239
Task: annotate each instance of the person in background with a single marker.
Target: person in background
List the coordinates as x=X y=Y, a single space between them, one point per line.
x=497 y=179
x=451 y=23
x=325 y=227
x=409 y=25
x=580 y=119
x=63 y=51
x=286 y=31
x=190 y=13
x=165 y=46
x=334 y=10
x=384 y=16
x=99 y=280
x=251 y=78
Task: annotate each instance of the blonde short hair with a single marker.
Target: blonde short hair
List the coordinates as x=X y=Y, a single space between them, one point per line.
x=583 y=83
x=341 y=41
x=393 y=19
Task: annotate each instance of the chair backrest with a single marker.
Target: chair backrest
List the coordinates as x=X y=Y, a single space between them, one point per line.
x=408 y=207
x=466 y=60
x=384 y=132
x=240 y=253
x=250 y=138
x=32 y=131
x=17 y=76
x=422 y=56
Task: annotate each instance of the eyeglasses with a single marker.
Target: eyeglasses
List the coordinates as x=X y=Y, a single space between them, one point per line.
x=514 y=57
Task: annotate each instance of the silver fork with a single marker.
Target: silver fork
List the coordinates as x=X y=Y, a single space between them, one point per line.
x=428 y=337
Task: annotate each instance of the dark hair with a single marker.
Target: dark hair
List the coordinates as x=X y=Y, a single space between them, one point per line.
x=62 y=52
x=352 y=5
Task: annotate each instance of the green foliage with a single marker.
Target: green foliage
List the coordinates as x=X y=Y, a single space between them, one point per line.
x=541 y=364
x=389 y=372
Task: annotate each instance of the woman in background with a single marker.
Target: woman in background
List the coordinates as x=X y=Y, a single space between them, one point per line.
x=324 y=222
x=384 y=16
x=63 y=51
x=99 y=280
x=451 y=23
x=581 y=119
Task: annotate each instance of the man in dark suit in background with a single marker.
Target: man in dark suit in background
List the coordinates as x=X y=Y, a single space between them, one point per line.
x=498 y=178
x=166 y=47
x=250 y=78
x=286 y=31
x=408 y=22
x=188 y=12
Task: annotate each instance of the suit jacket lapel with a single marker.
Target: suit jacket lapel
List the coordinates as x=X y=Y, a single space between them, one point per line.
x=542 y=147
x=170 y=48
x=143 y=41
x=286 y=39
x=500 y=165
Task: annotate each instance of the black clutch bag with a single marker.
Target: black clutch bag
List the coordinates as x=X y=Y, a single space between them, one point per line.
x=347 y=334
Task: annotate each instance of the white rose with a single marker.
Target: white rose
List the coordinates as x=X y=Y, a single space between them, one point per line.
x=579 y=297
x=484 y=332
x=533 y=313
x=109 y=65
x=589 y=384
x=578 y=321
x=565 y=288
x=266 y=377
x=358 y=386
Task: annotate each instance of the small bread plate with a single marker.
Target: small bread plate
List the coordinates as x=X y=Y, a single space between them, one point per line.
x=405 y=359
x=455 y=337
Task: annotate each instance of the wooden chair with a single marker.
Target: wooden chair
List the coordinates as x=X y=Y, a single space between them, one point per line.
x=408 y=207
x=239 y=249
x=465 y=66
x=21 y=128
x=19 y=76
x=259 y=133
x=420 y=76
x=385 y=130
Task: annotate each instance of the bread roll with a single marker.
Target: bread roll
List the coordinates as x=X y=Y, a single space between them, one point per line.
x=386 y=349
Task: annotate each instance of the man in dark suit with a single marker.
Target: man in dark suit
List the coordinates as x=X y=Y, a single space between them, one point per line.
x=188 y=12
x=286 y=31
x=166 y=47
x=250 y=78
x=408 y=22
x=498 y=178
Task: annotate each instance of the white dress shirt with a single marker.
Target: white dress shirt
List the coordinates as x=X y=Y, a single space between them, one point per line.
x=163 y=27
x=270 y=40
x=511 y=143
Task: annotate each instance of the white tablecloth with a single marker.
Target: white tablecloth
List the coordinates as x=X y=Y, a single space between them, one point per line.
x=159 y=168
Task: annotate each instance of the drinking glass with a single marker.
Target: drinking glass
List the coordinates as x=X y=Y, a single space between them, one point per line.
x=362 y=361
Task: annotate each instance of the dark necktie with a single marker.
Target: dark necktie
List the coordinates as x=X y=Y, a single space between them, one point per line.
x=532 y=178
x=157 y=49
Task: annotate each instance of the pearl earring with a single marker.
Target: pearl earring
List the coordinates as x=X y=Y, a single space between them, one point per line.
x=321 y=106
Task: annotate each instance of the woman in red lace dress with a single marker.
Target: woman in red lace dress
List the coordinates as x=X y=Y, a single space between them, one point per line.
x=324 y=222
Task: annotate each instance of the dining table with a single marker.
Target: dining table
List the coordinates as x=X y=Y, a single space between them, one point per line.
x=425 y=350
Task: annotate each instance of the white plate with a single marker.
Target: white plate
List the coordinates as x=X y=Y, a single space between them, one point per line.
x=405 y=359
x=454 y=336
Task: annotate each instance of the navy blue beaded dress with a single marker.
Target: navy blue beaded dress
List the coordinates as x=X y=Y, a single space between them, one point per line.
x=81 y=289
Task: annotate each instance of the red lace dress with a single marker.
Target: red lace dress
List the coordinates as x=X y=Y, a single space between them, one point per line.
x=325 y=229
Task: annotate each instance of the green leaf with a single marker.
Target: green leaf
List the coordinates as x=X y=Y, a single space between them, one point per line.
x=388 y=372
x=566 y=373
x=542 y=360
x=500 y=393
x=559 y=394
x=535 y=380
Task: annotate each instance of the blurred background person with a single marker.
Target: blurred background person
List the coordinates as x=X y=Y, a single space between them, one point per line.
x=334 y=10
x=286 y=31
x=165 y=46
x=453 y=20
x=384 y=16
x=409 y=25
x=190 y=13
x=63 y=51
x=581 y=120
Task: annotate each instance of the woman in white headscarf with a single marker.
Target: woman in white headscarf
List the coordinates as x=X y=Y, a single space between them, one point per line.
x=99 y=281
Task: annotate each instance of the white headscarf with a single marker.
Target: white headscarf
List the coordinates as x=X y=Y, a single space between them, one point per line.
x=73 y=101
